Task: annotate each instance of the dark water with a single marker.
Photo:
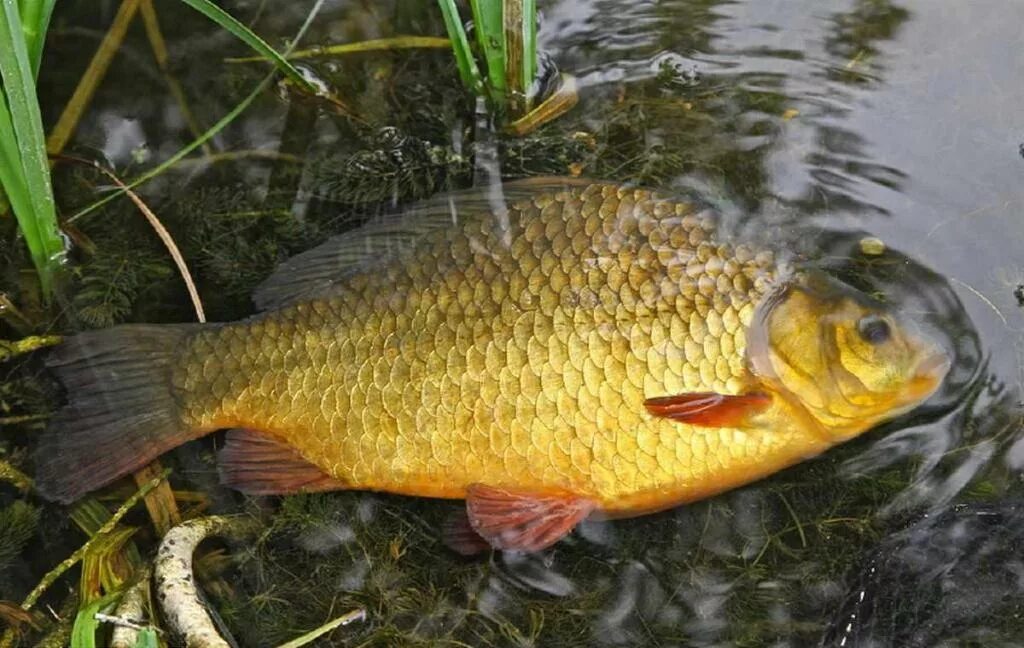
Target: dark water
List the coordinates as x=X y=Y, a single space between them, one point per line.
x=898 y=120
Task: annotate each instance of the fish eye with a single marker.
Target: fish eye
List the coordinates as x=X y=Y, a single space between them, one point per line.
x=873 y=329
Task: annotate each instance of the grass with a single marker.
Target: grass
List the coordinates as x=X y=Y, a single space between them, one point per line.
x=246 y=35
x=24 y=169
x=506 y=34
x=506 y=38
x=24 y=172
x=35 y=18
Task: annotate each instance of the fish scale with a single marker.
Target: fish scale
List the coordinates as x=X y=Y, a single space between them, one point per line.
x=512 y=352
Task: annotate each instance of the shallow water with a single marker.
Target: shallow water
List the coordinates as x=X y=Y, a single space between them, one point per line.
x=896 y=119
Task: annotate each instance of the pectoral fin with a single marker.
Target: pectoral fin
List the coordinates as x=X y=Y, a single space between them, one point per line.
x=708 y=408
x=257 y=464
x=523 y=521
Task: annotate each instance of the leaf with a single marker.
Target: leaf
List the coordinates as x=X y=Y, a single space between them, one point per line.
x=24 y=169
x=35 y=20
x=230 y=23
x=468 y=70
x=106 y=565
x=83 y=632
x=529 y=61
x=490 y=34
x=147 y=639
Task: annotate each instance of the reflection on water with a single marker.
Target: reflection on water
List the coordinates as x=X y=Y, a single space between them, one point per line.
x=954 y=577
x=811 y=122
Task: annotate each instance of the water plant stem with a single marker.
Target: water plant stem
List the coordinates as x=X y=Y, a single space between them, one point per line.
x=517 y=69
x=132 y=610
x=506 y=34
x=12 y=475
x=243 y=33
x=464 y=61
x=488 y=24
x=372 y=45
x=11 y=349
x=345 y=619
x=176 y=585
x=182 y=153
x=558 y=103
x=161 y=231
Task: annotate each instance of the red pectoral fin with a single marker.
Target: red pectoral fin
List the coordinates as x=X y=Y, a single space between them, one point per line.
x=523 y=521
x=709 y=409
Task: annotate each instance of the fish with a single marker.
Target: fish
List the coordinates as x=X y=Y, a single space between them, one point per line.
x=547 y=350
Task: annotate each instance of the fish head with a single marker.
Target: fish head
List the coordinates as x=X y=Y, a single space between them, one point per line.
x=844 y=359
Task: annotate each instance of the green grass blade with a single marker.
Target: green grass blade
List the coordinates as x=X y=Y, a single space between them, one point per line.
x=183 y=152
x=35 y=20
x=464 y=60
x=83 y=632
x=13 y=180
x=489 y=26
x=23 y=131
x=206 y=136
x=529 y=69
x=230 y=23
x=147 y=639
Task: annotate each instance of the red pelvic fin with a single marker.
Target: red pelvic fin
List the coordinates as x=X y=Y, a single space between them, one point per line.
x=257 y=464
x=708 y=408
x=523 y=521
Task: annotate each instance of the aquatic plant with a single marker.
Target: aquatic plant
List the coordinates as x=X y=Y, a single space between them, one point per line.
x=18 y=523
x=506 y=38
x=506 y=33
x=24 y=173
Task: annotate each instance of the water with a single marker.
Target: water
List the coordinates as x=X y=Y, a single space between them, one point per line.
x=896 y=119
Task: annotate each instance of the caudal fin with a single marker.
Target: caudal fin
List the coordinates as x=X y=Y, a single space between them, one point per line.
x=120 y=414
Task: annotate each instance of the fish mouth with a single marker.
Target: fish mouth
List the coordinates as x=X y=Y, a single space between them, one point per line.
x=928 y=376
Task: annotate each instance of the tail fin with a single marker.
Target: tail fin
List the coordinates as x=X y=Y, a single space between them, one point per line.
x=121 y=413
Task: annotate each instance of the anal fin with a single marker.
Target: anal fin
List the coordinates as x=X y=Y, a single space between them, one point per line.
x=523 y=521
x=257 y=464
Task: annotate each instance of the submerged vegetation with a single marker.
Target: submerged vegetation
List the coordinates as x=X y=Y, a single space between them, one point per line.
x=242 y=177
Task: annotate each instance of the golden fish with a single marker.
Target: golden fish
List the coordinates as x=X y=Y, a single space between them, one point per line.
x=556 y=348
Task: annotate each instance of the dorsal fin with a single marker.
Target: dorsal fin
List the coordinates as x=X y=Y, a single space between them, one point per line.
x=314 y=271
